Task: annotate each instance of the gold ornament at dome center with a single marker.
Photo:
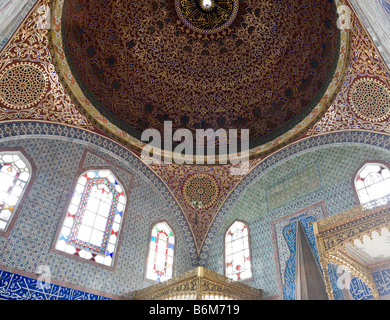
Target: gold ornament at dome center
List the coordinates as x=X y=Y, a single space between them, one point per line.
x=207 y=16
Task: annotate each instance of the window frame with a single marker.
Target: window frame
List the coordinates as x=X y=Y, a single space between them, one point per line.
x=357 y=171
x=26 y=191
x=126 y=191
x=148 y=251
x=249 y=246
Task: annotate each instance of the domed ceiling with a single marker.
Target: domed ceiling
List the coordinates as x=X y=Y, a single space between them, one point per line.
x=232 y=64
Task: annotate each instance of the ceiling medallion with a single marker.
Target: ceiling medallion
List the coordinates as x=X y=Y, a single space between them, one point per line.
x=207 y=16
x=370 y=99
x=22 y=85
x=200 y=191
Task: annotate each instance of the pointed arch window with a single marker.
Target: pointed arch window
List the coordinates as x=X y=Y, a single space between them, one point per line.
x=372 y=182
x=161 y=253
x=93 y=219
x=238 y=264
x=15 y=175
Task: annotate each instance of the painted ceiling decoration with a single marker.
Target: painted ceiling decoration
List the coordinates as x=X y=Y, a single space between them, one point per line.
x=271 y=67
x=22 y=85
x=354 y=96
x=207 y=16
x=369 y=75
x=370 y=99
x=29 y=48
x=208 y=186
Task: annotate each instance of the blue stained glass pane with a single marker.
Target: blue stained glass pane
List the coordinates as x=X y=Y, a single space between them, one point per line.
x=170 y=246
x=154 y=239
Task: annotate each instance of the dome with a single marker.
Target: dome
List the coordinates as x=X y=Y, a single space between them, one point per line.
x=264 y=66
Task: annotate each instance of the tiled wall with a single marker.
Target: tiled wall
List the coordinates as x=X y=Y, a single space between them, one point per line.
x=315 y=176
x=28 y=246
x=57 y=160
x=20 y=287
x=381 y=276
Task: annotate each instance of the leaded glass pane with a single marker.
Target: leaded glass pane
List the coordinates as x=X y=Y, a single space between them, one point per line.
x=372 y=182
x=237 y=253
x=14 y=175
x=93 y=220
x=161 y=253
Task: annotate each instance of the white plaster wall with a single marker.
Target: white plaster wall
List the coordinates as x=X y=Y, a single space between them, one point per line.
x=12 y=13
x=377 y=21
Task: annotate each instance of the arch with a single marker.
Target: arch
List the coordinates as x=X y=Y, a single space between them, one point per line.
x=161 y=252
x=91 y=226
x=371 y=182
x=52 y=131
x=237 y=251
x=378 y=141
x=17 y=172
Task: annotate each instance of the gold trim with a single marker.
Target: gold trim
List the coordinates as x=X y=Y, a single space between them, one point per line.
x=89 y=111
x=199 y=284
x=334 y=233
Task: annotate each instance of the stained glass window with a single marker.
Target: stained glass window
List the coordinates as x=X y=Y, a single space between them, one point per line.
x=93 y=220
x=372 y=182
x=237 y=252
x=14 y=177
x=161 y=252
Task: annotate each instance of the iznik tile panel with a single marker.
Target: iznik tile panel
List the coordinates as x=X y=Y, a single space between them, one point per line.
x=57 y=161
x=382 y=282
x=334 y=165
x=17 y=287
x=293 y=186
